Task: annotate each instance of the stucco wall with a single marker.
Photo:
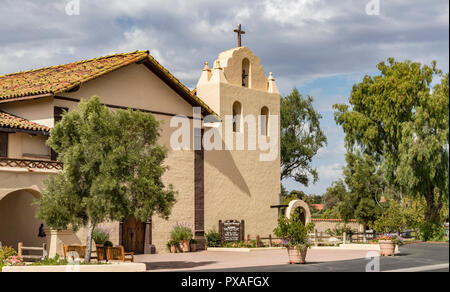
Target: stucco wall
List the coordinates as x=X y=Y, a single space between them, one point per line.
x=24 y=146
x=322 y=225
x=38 y=110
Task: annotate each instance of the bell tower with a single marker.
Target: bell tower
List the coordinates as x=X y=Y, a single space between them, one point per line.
x=238 y=184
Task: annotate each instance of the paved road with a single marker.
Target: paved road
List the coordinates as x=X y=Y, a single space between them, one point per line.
x=427 y=257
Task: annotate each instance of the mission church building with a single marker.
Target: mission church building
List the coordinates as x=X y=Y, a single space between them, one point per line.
x=212 y=185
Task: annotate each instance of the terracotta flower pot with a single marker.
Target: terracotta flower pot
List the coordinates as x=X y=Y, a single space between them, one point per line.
x=173 y=248
x=193 y=247
x=185 y=245
x=387 y=248
x=297 y=255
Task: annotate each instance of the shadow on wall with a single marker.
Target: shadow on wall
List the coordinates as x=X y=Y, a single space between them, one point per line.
x=224 y=162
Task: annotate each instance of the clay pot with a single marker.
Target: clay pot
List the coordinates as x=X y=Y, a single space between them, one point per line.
x=297 y=254
x=185 y=245
x=387 y=248
x=193 y=247
x=173 y=249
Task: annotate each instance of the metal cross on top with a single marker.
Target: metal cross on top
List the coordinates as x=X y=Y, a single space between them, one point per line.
x=239 y=33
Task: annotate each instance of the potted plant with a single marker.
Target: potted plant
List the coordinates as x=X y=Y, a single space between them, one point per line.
x=390 y=223
x=388 y=242
x=294 y=237
x=194 y=245
x=172 y=246
x=182 y=234
x=100 y=236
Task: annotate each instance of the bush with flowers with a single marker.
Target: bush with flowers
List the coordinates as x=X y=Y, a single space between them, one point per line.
x=293 y=233
x=394 y=237
x=5 y=253
x=14 y=261
x=181 y=232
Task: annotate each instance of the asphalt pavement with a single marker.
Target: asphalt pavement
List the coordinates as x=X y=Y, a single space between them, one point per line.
x=418 y=257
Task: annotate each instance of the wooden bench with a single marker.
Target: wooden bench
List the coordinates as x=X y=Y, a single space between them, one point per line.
x=116 y=253
x=42 y=250
x=79 y=249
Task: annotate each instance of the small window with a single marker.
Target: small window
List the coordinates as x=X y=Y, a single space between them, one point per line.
x=264 y=121
x=245 y=73
x=237 y=114
x=57 y=115
x=3 y=144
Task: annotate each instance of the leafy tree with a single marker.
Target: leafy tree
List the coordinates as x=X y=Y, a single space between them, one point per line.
x=301 y=137
x=112 y=169
x=365 y=185
x=395 y=118
x=334 y=194
x=293 y=195
x=392 y=220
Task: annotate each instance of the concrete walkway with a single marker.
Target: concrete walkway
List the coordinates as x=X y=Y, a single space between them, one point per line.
x=224 y=260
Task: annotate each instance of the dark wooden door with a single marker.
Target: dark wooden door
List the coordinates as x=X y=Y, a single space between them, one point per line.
x=133 y=235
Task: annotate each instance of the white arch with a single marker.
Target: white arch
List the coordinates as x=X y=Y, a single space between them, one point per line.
x=34 y=191
x=293 y=205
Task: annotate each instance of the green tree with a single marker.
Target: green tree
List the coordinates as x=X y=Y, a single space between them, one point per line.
x=334 y=194
x=365 y=185
x=293 y=195
x=301 y=137
x=112 y=169
x=395 y=118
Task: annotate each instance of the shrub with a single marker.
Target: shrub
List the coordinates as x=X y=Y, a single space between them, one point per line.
x=56 y=261
x=339 y=230
x=6 y=252
x=100 y=235
x=213 y=239
x=181 y=232
x=431 y=232
x=108 y=244
x=293 y=232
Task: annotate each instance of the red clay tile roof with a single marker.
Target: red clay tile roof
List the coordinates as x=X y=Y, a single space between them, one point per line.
x=8 y=120
x=58 y=79
x=318 y=206
x=332 y=220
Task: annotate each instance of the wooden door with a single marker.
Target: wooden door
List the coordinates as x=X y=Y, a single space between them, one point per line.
x=133 y=235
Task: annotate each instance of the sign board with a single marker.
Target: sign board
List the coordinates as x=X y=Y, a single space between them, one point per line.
x=231 y=231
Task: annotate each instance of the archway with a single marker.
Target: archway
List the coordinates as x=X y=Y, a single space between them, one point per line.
x=299 y=208
x=18 y=221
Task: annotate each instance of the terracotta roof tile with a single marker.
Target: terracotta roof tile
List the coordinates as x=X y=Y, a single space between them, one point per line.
x=58 y=79
x=8 y=120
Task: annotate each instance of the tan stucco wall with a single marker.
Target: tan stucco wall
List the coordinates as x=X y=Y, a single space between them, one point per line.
x=37 y=110
x=24 y=146
x=324 y=225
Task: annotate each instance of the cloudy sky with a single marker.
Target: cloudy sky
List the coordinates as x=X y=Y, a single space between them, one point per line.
x=322 y=47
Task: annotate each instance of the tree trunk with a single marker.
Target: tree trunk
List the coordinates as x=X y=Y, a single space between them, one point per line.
x=433 y=210
x=87 y=256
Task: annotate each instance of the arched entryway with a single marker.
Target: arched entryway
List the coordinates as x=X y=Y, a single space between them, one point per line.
x=18 y=221
x=299 y=208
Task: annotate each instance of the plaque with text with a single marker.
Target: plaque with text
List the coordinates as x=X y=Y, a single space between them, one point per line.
x=231 y=231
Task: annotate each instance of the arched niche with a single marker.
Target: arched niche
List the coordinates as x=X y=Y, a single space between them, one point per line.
x=264 y=123
x=299 y=208
x=237 y=116
x=246 y=73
